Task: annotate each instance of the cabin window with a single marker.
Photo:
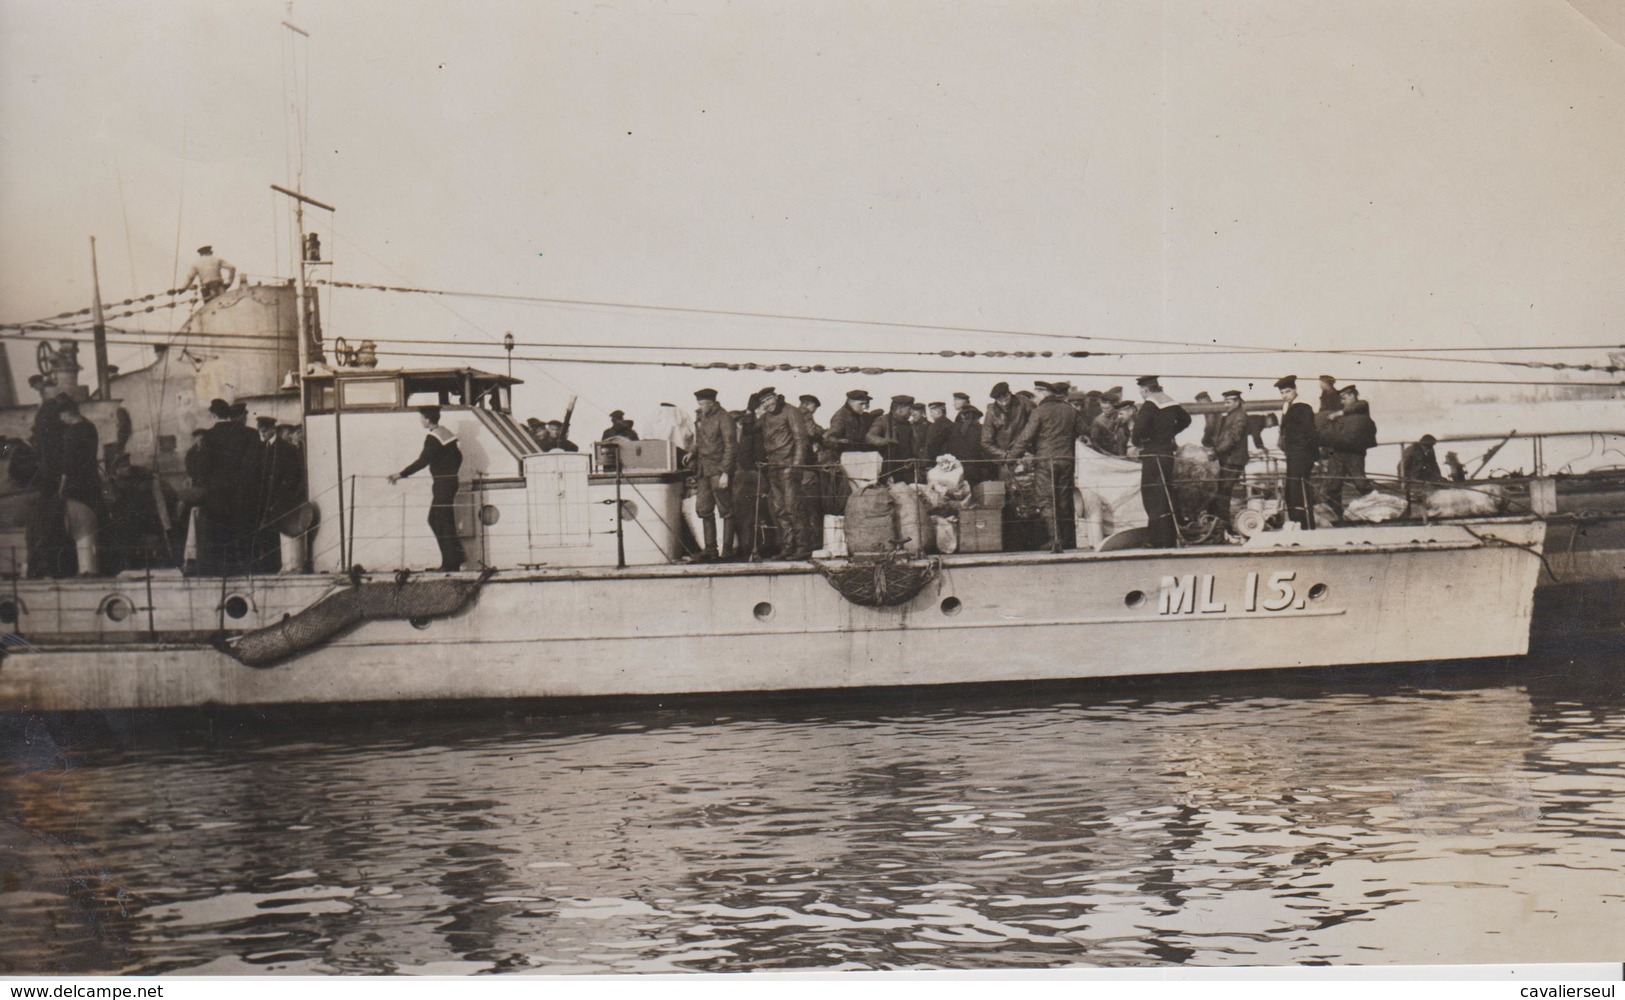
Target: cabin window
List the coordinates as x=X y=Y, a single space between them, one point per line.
x=435 y=390
x=371 y=393
x=320 y=396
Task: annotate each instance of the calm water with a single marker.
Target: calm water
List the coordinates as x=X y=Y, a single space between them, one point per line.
x=1471 y=817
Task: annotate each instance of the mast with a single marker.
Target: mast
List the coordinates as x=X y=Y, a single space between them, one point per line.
x=104 y=378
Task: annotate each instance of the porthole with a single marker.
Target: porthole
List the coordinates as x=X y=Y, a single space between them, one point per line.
x=1318 y=592
x=118 y=608
x=236 y=606
x=419 y=622
x=489 y=515
x=8 y=611
x=952 y=606
x=1134 y=598
x=763 y=612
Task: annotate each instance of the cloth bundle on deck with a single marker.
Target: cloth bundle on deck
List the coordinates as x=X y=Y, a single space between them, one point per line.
x=1479 y=502
x=1374 y=508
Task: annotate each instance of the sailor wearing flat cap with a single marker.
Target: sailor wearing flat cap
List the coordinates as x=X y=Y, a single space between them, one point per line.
x=1344 y=438
x=939 y=431
x=893 y=436
x=849 y=424
x=1230 y=448
x=1330 y=398
x=716 y=442
x=619 y=427
x=1007 y=416
x=211 y=274
x=1156 y=425
x=809 y=405
x=1051 y=436
x=960 y=401
x=1301 y=444
x=786 y=452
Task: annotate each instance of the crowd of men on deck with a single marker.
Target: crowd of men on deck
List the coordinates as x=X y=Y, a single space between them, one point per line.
x=242 y=510
x=769 y=470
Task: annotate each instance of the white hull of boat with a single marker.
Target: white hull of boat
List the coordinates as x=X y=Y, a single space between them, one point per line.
x=1334 y=597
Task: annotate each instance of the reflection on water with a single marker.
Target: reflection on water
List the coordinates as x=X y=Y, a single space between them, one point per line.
x=1243 y=821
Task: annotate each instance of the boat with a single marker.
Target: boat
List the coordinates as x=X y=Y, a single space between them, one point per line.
x=576 y=584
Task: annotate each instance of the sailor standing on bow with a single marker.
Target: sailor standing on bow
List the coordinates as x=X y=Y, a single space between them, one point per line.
x=443 y=458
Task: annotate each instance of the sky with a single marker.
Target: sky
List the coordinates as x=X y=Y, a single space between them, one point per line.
x=1258 y=174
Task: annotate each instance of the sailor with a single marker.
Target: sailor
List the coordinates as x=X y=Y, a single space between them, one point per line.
x=282 y=489
x=211 y=274
x=1157 y=423
x=1006 y=418
x=808 y=405
x=1331 y=398
x=893 y=436
x=919 y=428
x=48 y=542
x=294 y=529
x=1051 y=435
x=965 y=444
x=554 y=439
x=819 y=482
x=1230 y=448
x=1347 y=434
x=442 y=457
x=619 y=427
x=746 y=484
x=715 y=440
x=1104 y=435
x=1419 y=468
x=939 y=430
x=226 y=447
x=960 y=401
x=1210 y=421
x=786 y=451
x=248 y=505
x=1300 y=443
x=80 y=486
x=850 y=424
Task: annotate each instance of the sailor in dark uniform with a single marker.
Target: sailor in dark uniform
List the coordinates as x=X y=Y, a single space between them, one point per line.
x=1051 y=435
x=1301 y=445
x=443 y=458
x=1157 y=422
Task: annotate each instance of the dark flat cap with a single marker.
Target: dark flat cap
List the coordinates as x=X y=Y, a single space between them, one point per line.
x=219 y=407
x=616 y=414
x=1287 y=382
x=1000 y=389
x=907 y=401
x=1231 y=394
x=1351 y=387
x=810 y=398
x=705 y=394
x=1145 y=380
x=265 y=421
x=858 y=394
x=961 y=395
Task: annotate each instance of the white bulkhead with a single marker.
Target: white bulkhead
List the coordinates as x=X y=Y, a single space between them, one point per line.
x=516 y=507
